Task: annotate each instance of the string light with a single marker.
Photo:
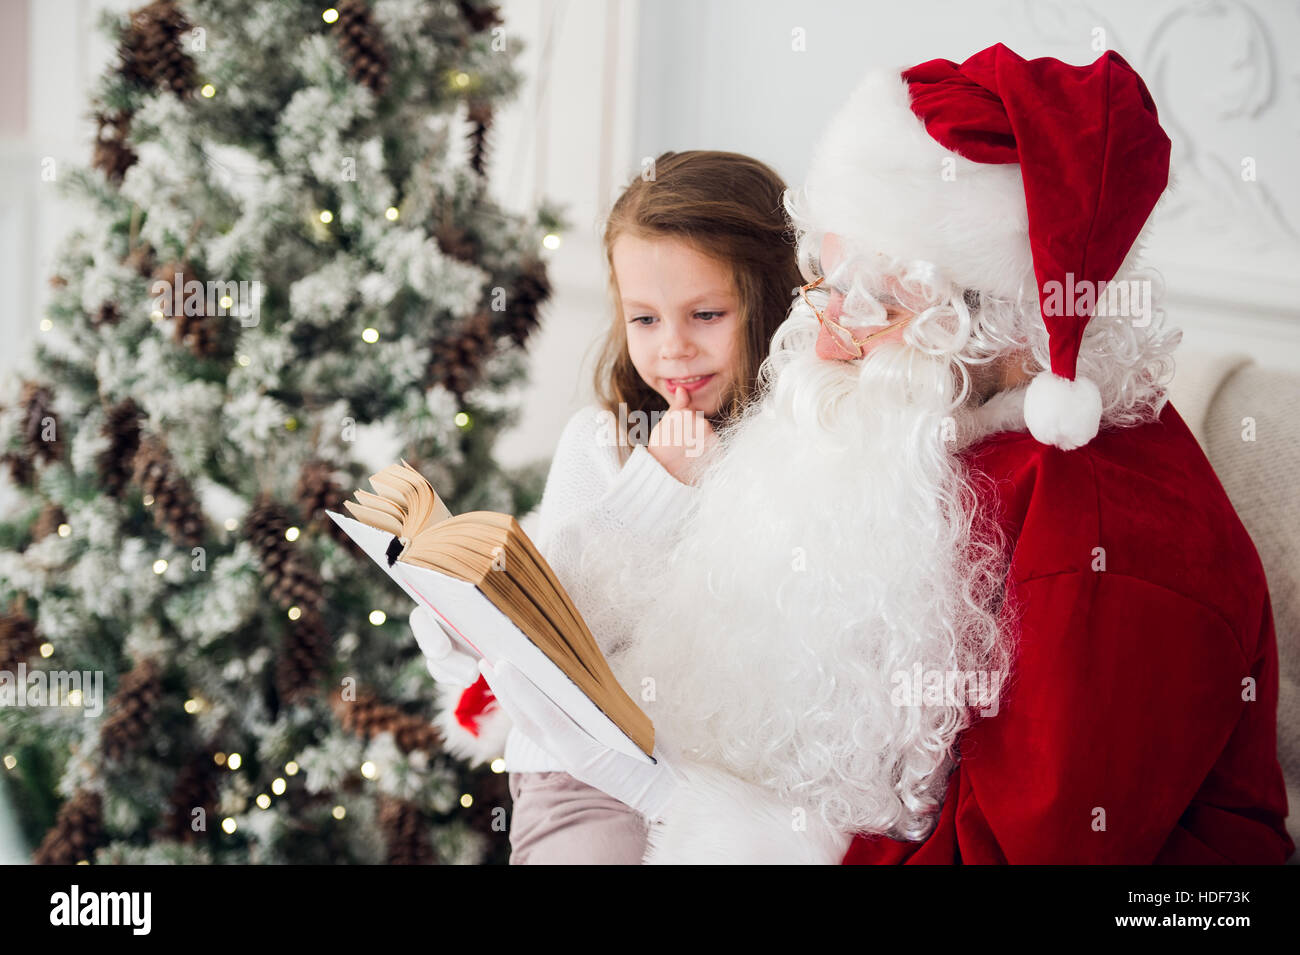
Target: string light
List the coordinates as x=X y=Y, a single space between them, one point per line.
x=291 y=768
x=234 y=761
x=219 y=758
x=208 y=91
x=74 y=698
x=368 y=769
x=47 y=649
x=46 y=324
x=329 y=15
x=461 y=419
x=64 y=530
x=231 y=523
x=295 y=613
x=466 y=800
x=326 y=216
x=338 y=812
x=10 y=761
x=291 y=533
x=551 y=241
x=291 y=423
x=192 y=705
x=147 y=500
x=391 y=213
x=498 y=765
x=229 y=825
x=263 y=801
x=278 y=785
x=377 y=617
x=370 y=336
x=159 y=566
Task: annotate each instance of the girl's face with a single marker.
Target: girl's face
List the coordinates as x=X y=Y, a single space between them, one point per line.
x=680 y=307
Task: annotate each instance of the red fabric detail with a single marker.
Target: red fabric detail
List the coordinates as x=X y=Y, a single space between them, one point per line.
x=475 y=702
x=1091 y=151
x=1126 y=691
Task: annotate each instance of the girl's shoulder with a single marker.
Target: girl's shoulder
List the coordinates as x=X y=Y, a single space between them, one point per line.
x=591 y=435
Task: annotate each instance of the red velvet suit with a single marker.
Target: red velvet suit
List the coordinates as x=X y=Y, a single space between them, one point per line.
x=1125 y=707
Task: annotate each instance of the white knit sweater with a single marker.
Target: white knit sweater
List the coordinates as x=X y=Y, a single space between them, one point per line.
x=595 y=522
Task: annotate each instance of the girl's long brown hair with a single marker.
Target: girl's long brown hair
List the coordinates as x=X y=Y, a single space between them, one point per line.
x=727 y=206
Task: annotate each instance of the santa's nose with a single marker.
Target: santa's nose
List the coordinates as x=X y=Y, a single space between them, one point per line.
x=830 y=347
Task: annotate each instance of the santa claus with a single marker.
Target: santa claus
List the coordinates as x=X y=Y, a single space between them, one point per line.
x=962 y=586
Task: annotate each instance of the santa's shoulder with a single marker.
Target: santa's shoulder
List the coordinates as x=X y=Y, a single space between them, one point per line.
x=1139 y=505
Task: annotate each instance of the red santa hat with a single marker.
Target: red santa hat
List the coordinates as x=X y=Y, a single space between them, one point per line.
x=998 y=170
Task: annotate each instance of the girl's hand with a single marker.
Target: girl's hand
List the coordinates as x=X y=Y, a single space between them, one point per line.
x=681 y=438
x=445 y=661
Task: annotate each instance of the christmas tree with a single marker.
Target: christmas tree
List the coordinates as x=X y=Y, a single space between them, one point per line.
x=288 y=243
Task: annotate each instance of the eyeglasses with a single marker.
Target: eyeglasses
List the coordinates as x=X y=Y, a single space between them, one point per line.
x=841 y=335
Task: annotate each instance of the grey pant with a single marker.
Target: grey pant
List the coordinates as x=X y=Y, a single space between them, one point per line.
x=557 y=820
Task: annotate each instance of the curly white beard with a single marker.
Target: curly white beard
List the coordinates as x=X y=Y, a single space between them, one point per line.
x=830 y=549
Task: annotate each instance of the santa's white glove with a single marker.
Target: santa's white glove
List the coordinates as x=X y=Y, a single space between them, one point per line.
x=644 y=787
x=446 y=662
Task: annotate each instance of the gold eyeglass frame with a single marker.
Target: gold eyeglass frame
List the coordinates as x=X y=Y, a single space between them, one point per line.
x=844 y=335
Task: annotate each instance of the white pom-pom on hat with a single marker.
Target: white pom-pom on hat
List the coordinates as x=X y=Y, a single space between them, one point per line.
x=1062 y=412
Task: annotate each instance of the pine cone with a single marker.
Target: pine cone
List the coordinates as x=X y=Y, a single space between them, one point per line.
x=131 y=711
x=77 y=832
x=39 y=445
x=479 y=18
x=205 y=335
x=141 y=260
x=21 y=468
x=113 y=155
x=196 y=787
x=303 y=659
x=362 y=45
x=454 y=241
x=530 y=289
x=367 y=716
x=175 y=508
x=480 y=119
x=106 y=314
x=457 y=362
x=151 y=50
x=318 y=492
x=406 y=833
x=47 y=523
x=117 y=461
x=18 y=639
x=293 y=581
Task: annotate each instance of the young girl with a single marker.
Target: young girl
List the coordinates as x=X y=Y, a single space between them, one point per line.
x=702 y=271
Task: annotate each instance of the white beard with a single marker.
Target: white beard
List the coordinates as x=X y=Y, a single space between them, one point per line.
x=829 y=551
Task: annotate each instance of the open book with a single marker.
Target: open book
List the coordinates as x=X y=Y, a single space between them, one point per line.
x=495 y=595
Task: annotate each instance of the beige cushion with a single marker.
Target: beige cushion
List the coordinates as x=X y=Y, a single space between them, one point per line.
x=1260 y=477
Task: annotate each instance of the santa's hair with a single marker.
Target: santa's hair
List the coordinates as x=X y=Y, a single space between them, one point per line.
x=1131 y=362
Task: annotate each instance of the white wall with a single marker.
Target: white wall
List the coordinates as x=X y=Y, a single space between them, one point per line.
x=723 y=75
